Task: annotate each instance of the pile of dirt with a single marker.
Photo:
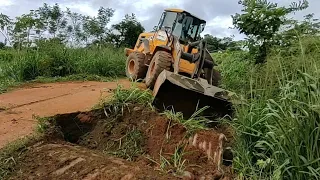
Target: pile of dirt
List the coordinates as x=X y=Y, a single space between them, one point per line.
x=68 y=161
x=140 y=144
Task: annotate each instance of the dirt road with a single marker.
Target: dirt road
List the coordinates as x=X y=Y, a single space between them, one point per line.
x=18 y=107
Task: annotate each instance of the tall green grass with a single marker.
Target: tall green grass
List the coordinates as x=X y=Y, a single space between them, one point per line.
x=55 y=60
x=123 y=98
x=278 y=127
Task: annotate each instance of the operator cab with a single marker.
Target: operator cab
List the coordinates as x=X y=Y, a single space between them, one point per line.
x=183 y=25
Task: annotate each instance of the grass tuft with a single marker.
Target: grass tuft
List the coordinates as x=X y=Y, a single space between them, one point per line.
x=123 y=98
x=172 y=163
x=194 y=123
x=12 y=151
x=129 y=146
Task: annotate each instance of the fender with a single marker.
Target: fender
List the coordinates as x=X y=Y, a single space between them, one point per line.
x=161 y=48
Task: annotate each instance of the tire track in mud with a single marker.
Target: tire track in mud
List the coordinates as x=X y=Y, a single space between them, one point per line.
x=42 y=100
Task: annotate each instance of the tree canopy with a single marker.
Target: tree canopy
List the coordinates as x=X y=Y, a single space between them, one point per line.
x=261 y=21
x=220 y=44
x=71 y=28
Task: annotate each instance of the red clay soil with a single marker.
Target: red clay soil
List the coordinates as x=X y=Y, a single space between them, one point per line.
x=18 y=107
x=160 y=137
x=93 y=136
x=67 y=161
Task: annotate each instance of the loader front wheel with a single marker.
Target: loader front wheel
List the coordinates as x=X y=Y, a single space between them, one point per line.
x=135 y=66
x=160 y=61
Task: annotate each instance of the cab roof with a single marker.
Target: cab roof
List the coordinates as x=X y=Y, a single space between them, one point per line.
x=183 y=11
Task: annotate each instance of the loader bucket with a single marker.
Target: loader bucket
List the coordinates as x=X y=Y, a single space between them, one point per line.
x=186 y=95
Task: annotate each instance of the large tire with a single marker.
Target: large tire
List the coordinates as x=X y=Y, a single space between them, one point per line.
x=135 y=66
x=160 y=61
x=215 y=78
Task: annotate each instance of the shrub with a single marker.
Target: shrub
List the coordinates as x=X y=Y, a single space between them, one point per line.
x=278 y=128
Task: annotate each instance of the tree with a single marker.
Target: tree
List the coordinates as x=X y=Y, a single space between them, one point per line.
x=214 y=43
x=2 y=45
x=95 y=28
x=260 y=21
x=74 y=28
x=25 y=29
x=126 y=32
x=52 y=19
x=5 y=28
x=309 y=26
x=52 y=23
x=218 y=44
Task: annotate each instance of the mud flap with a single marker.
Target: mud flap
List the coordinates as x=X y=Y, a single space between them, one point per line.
x=186 y=95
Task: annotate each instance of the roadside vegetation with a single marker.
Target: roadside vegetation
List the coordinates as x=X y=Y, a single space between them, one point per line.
x=56 y=62
x=277 y=127
x=52 y=44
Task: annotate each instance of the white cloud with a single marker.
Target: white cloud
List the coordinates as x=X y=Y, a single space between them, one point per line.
x=220 y=26
x=221 y=22
x=216 y=12
x=83 y=8
x=5 y=3
x=145 y=4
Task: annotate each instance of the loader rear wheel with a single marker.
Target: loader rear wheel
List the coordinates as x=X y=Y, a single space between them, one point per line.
x=135 y=66
x=160 y=61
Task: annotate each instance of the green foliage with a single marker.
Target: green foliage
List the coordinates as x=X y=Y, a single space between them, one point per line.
x=235 y=67
x=194 y=123
x=5 y=27
x=96 y=27
x=217 y=44
x=177 y=160
x=174 y=163
x=123 y=98
x=2 y=45
x=283 y=133
x=127 y=31
x=129 y=146
x=260 y=21
x=55 y=60
x=73 y=29
x=43 y=123
x=295 y=29
x=278 y=126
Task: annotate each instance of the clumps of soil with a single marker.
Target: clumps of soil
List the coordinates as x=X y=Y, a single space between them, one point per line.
x=2 y=109
x=68 y=161
x=85 y=145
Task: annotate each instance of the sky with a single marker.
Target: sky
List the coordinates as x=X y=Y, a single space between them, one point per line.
x=217 y=13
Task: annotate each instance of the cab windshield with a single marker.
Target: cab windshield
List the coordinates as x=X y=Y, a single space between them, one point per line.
x=187 y=28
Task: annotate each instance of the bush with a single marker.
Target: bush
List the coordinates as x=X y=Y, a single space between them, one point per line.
x=278 y=128
x=236 y=69
x=53 y=59
x=2 y=45
x=5 y=56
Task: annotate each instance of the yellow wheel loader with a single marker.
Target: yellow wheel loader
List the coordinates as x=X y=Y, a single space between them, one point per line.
x=175 y=63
